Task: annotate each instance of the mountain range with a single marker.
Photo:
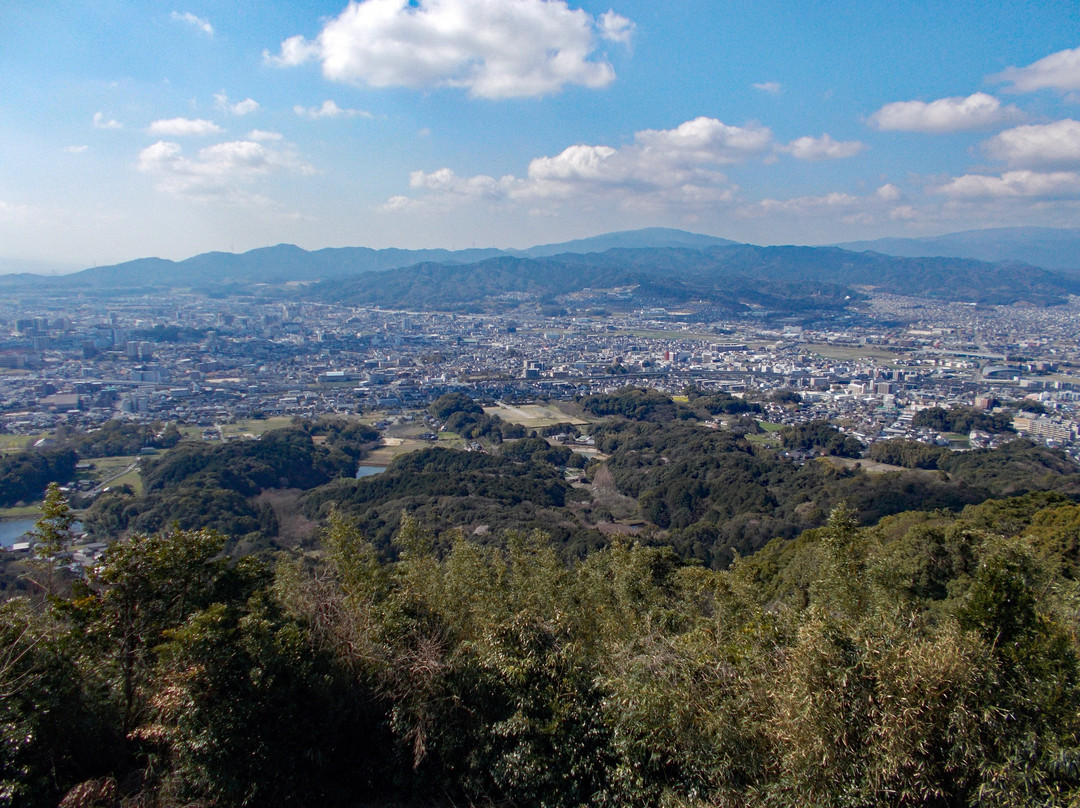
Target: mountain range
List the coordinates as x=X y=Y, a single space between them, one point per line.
x=664 y=266
x=287 y=263
x=732 y=277
x=1047 y=247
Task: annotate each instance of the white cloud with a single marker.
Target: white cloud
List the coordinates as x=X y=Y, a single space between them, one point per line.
x=770 y=87
x=245 y=107
x=1038 y=146
x=810 y=204
x=1058 y=71
x=661 y=168
x=329 y=109
x=888 y=192
x=707 y=140
x=76 y=149
x=190 y=19
x=524 y=48
x=669 y=165
x=977 y=111
x=262 y=134
x=822 y=148
x=446 y=181
x=615 y=27
x=837 y=206
x=10 y=211
x=182 y=127
x=223 y=171
x=294 y=51
x=1013 y=184
x=102 y=121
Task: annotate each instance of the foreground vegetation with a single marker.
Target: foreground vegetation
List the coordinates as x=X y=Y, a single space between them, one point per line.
x=929 y=660
x=461 y=632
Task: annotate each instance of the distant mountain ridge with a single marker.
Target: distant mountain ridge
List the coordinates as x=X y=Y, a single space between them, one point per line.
x=649 y=237
x=666 y=266
x=731 y=277
x=1052 y=248
x=284 y=263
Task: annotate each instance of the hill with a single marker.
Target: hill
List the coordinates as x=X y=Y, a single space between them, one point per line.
x=1043 y=246
x=285 y=263
x=628 y=239
x=651 y=267
x=729 y=278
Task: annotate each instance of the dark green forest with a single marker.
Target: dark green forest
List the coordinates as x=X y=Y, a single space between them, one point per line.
x=690 y=618
x=928 y=660
x=822 y=279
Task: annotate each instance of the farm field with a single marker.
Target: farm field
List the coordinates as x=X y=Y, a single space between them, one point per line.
x=533 y=415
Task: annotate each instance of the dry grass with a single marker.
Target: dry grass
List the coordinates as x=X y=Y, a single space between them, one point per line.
x=533 y=415
x=293 y=527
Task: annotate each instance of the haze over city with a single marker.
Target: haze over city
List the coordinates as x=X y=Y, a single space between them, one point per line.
x=169 y=129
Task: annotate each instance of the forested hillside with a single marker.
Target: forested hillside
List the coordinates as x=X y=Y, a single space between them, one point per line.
x=476 y=627
x=782 y=278
x=930 y=660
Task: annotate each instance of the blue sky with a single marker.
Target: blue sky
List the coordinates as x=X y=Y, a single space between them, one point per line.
x=130 y=129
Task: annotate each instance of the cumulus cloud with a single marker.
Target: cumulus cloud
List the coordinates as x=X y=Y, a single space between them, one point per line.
x=183 y=127
x=807 y=204
x=826 y=209
x=1013 y=184
x=1038 y=146
x=615 y=27
x=76 y=149
x=822 y=148
x=245 y=107
x=190 y=19
x=770 y=87
x=103 y=121
x=661 y=168
x=957 y=114
x=224 y=171
x=524 y=48
x=329 y=109
x=888 y=192
x=905 y=213
x=1058 y=71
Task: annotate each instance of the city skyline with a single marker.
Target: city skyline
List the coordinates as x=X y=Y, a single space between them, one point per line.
x=167 y=129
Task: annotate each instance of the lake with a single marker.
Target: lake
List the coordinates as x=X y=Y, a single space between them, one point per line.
x=369 y=471
x=11 y=530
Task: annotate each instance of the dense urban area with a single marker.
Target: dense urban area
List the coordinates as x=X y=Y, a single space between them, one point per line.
x=205 y=362
x=268 y=551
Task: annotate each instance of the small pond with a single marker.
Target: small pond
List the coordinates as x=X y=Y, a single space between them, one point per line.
x=369 y=471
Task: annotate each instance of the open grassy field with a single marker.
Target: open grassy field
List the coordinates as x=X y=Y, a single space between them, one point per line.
x=393 y=447
x=767 y=439
x=869 y=466
x=957 y=439
x=256 y=427
x=115 y=471
x=31 y=511
x=850 y=351
x=17 y=443
x=533 y=415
